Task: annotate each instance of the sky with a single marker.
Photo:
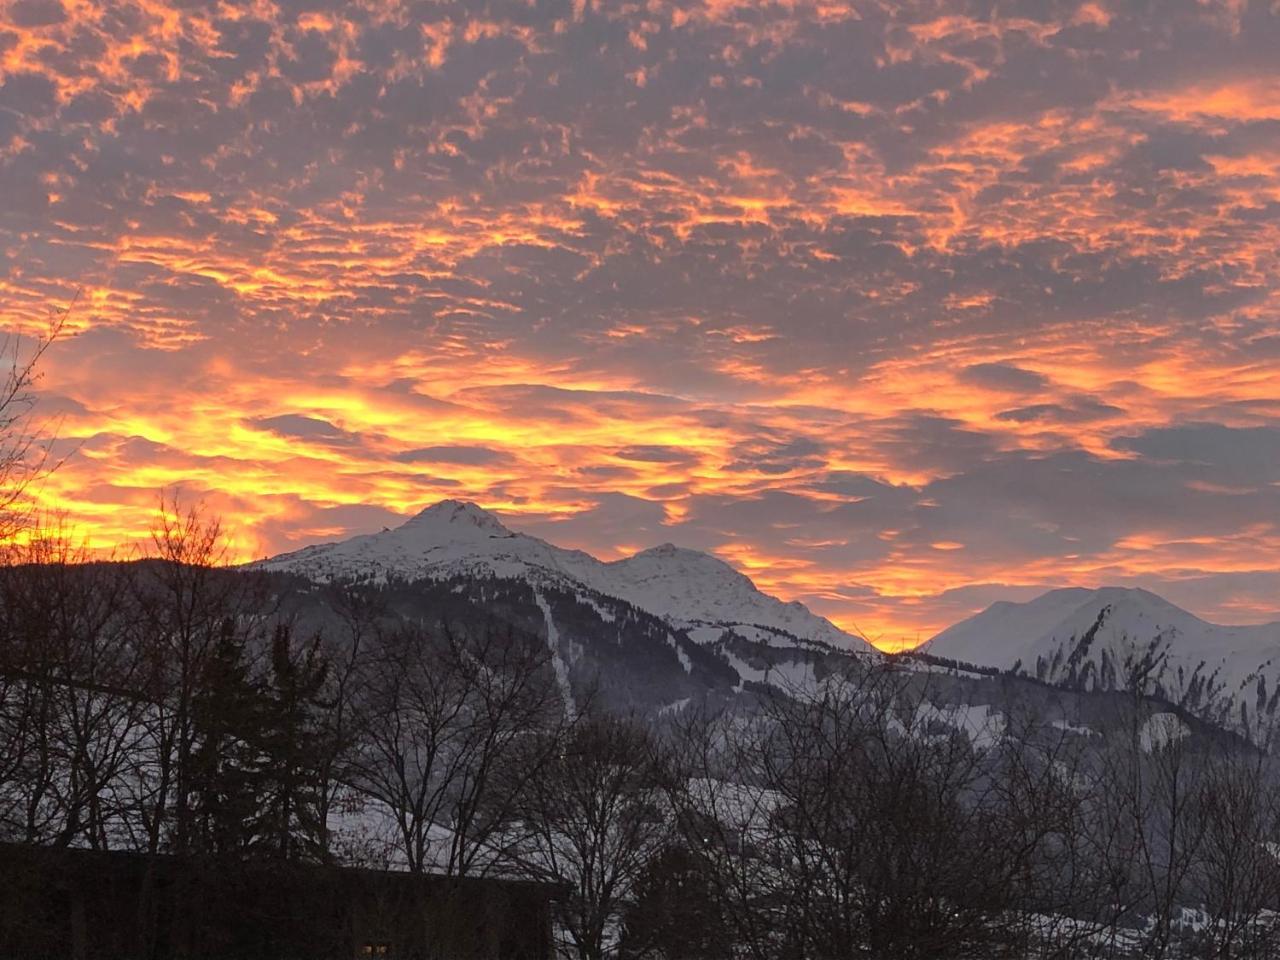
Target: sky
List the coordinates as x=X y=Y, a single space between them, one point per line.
x=901 y=308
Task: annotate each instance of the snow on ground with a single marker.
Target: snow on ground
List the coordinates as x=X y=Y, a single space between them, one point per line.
x=793 y=676
x=586 y=599
x=674 y=707
x=558 y=663
x=983 y=724
x=1160 y=730
x=680 y=654
x=704 y=634
x=746 y=808
x=746 y=672
x=1068 y=727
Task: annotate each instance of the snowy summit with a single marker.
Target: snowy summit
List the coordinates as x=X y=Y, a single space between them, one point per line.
x=1118 y=621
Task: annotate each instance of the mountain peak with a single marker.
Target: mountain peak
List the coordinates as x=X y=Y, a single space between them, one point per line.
x=1117 y=619
x=671 y=550
x=457 y=517
x=677 y=561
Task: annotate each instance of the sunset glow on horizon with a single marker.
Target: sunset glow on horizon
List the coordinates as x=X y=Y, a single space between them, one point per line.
x=900 y=308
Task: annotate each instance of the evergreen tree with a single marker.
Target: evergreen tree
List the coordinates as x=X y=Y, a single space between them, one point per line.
x=292 y=732
x=674 y=912
x=226 y=775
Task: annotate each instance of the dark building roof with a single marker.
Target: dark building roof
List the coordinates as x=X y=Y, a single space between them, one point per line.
x=95 y=905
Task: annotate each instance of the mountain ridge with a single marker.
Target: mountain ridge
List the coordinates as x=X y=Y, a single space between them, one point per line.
x=1086 y=632
x=1077 y=635
x=689 y=589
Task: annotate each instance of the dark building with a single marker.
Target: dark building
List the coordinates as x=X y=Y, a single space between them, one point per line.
x=95 y=905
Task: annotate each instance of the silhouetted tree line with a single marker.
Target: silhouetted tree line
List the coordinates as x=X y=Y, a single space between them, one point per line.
x=164 y=706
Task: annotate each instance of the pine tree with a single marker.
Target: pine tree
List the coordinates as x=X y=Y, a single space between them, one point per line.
x=674 y=912
x=225 y=777
x=292 y=730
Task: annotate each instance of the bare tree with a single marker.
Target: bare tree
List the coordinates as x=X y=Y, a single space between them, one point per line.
x=24 y=443
x=70 y=710
x=441 y=712
x=186 y=602
x=1236 y=878
x=724 y=808
x=594 y=815
x=338 y=743
x=850 y=820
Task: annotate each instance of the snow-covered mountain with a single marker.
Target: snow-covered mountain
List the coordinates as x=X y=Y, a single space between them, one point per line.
x=688 y=589
x=670 y=628
x=1087 y=636
x=718 y=631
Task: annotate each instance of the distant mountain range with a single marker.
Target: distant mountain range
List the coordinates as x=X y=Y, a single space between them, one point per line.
x=668 y=625
x=688 y=589
x=1090 y=638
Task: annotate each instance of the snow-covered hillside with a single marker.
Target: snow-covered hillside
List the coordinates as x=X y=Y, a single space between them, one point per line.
x=697 y=588
x=686 y=588
x=1117 y=621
